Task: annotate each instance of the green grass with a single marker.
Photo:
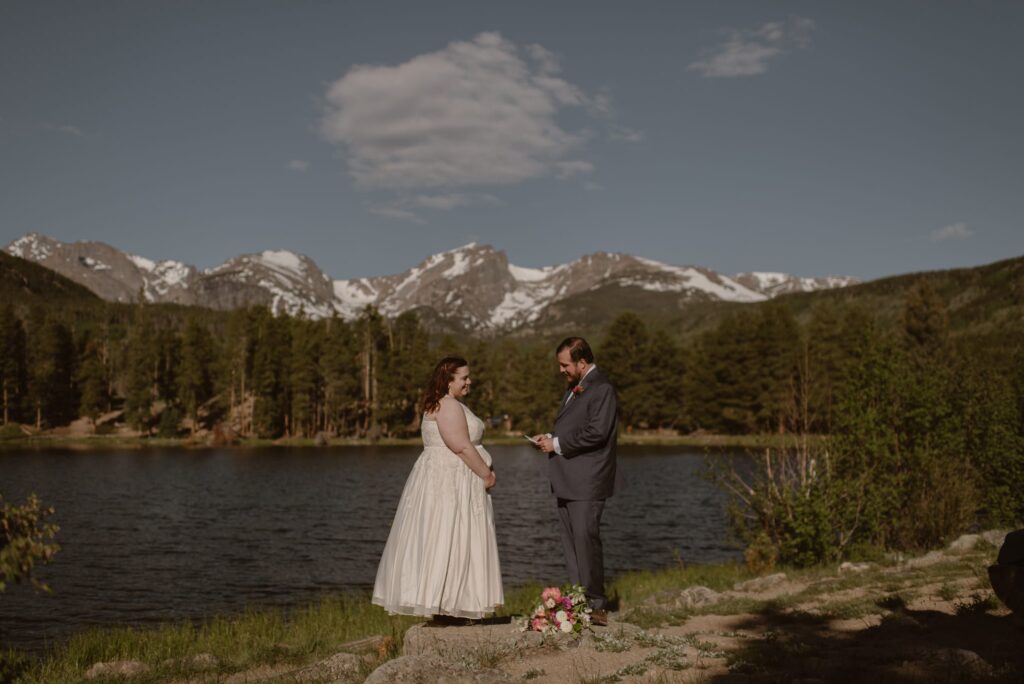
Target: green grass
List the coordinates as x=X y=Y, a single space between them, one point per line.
x=238 y=642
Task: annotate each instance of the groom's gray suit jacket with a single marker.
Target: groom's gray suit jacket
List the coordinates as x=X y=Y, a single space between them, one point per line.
x=586 y=429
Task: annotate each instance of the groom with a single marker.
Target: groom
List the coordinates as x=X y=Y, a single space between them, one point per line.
x=581 y=467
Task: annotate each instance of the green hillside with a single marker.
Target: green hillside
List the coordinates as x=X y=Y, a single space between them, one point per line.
x=24 y=283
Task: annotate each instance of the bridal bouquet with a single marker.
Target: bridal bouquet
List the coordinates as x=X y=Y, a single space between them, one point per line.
x=560 y=611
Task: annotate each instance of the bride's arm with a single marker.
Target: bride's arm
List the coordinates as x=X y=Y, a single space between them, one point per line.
x=451 y=422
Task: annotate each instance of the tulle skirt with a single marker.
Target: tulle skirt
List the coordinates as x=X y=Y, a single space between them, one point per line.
x=441 y=557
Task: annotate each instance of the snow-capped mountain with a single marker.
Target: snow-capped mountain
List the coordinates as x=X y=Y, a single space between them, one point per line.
x=775 y=284
x=472 y=287
x=110 y=273
x=476 y=285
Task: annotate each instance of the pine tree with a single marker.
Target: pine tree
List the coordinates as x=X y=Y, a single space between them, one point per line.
x=340 y=371
x=305 y=380
x=270 y=375
x=194 y=373
x=625 y=357
x=13 y=365
x=141 y=364
x=92 y=382
x=53 y=375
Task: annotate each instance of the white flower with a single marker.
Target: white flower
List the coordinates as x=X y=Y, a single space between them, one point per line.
x=550 y=603
x=560 y=616
x=566 y=627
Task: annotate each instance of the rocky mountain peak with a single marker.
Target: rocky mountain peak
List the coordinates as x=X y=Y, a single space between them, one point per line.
x=472 y=287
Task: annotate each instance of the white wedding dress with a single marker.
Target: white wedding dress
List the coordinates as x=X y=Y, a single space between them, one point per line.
x=441 y=557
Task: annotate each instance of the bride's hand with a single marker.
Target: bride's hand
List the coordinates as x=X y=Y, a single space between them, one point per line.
x=490 y=480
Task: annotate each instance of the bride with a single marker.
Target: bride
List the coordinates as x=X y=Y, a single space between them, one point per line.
x=441 y=557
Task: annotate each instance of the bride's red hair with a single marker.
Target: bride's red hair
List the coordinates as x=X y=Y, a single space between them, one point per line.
x=444 y=373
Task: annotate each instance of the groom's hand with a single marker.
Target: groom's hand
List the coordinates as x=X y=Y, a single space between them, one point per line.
x=545 y=444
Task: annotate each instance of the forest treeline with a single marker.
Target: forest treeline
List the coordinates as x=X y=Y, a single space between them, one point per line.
x=172 y=368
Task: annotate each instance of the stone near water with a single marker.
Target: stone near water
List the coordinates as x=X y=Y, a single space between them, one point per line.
x=930 y=558
x=429 y=669
x=340 y=666
x=691 y=597
x=965 y=542
x=198 y=662
x=994 y=537
x=848 y=567
x=320 y=440
x=116 y=668
x=426 y=640
x=761 y=583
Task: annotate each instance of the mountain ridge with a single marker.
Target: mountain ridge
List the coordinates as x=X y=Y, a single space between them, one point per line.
x=472 y=287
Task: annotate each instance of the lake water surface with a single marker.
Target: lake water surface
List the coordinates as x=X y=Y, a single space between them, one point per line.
x=158 y=535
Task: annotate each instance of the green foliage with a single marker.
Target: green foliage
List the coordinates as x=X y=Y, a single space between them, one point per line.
x=647 y=371
x=25 y=538
x=925 y=441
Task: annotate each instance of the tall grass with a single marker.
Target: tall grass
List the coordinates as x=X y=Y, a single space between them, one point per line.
x=256 y=637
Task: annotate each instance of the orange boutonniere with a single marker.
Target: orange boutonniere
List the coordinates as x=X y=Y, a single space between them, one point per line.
x=577 y=390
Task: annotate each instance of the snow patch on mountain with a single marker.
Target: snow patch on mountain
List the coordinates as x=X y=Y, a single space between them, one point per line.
x=33 y=247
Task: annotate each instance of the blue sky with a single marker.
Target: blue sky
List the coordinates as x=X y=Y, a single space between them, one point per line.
x=859 y=138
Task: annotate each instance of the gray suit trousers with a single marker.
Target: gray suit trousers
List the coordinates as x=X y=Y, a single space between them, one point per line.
x=581 y=541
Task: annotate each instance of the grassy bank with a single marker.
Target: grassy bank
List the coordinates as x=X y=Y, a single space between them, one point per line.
x=267 y=640
x=764 y=631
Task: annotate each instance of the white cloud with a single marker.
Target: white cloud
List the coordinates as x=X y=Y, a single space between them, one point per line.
x=63 y=128
x=396 y=213
x=479 y=112
x=954 y=231
x=747 y=53
x=298 y=165
x=568 y=169
x=449 y=201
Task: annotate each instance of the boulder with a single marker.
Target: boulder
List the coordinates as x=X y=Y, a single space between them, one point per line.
x=848 y=567
x=759 y=584
x=428 y=669
x=691 y=597
x=426 y=640
x=930 y=558
x=199 y=662
x=116 y=668
x=965 y=542
x=337 y=667
x=995 y=537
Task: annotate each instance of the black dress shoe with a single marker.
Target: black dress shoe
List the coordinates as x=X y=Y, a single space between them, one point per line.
x=599 y=618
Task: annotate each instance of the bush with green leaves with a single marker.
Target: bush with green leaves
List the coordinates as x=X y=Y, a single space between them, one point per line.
x=25 y=541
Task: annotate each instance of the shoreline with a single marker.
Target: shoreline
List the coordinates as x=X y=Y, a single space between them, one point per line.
x=716 y=619
x=102 y=442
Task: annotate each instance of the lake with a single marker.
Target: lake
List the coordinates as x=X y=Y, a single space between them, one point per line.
x=153 y=535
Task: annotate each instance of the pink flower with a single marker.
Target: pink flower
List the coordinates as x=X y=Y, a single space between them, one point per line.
x=552 y=593
x=538 y=624
x=567 y=602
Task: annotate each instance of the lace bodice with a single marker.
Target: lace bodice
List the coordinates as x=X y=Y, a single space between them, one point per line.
x=432 y=435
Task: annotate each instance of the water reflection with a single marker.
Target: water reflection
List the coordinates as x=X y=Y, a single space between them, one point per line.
x=157 y=535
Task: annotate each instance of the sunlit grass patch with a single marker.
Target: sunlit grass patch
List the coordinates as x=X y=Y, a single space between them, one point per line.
x=256 y=637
